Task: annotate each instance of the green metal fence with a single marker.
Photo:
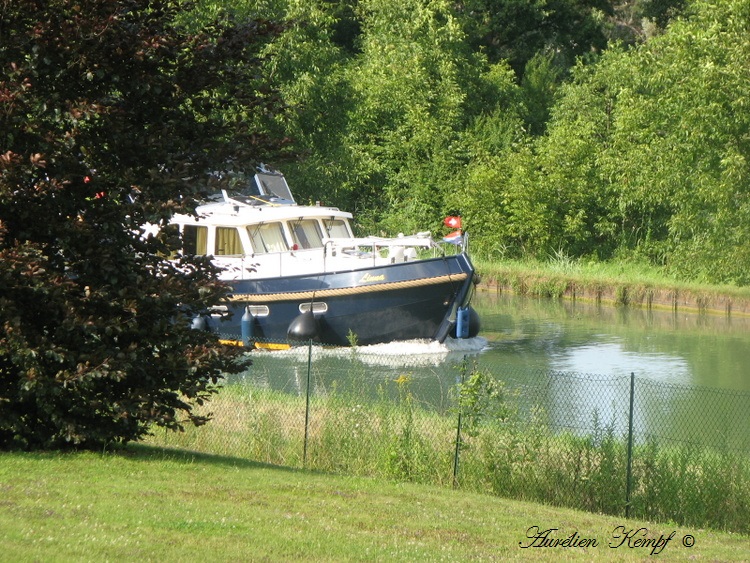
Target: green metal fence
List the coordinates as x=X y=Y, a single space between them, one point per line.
x=620 y=445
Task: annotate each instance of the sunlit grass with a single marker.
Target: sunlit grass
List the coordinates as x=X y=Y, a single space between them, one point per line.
x=143 y=504
x=555 y=276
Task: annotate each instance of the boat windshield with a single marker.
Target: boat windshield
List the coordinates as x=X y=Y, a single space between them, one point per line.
x=306 y=233
x=267 y=237
x=336 y=228
x=273 y=184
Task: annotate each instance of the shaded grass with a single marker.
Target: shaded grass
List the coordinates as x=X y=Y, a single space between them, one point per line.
x=250 y=423
x=142 y=503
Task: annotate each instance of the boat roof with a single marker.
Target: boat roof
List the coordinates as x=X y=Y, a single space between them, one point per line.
x=268 y=198
x=226 y=213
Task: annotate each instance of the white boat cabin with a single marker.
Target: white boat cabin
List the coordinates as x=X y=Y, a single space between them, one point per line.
x=266 y=236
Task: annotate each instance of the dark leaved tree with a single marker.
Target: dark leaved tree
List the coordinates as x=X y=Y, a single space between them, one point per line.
x=110 y=115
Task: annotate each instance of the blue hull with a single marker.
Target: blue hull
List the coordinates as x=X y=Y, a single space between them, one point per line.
x=400 y=301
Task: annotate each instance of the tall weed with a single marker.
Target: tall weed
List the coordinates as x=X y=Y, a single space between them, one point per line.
x=502 y=449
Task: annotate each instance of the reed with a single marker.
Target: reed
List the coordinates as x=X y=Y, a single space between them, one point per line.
x=500 y=452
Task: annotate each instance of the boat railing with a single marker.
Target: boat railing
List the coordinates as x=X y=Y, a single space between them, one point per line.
x=377 y=250
x=336 y=254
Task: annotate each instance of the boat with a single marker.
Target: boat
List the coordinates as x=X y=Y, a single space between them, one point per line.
x=298 y=273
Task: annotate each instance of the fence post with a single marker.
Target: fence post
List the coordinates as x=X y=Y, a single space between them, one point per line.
x=307 y=403
x=630 y=446
x=459 y=383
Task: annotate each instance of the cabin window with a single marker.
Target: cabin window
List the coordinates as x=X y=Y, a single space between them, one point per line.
x=195 y=240
x=267 y=237
x=228 y=242
x=336 y=228
x=306 y=233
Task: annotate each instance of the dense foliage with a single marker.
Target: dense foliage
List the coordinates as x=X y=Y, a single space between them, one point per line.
x=110 y=115
x=646 y=152
x=594 y=130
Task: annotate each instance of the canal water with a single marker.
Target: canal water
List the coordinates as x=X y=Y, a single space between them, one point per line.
x=571 y=358
x=583 y=337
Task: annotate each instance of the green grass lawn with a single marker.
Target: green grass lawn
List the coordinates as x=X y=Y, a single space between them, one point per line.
x=144 y=504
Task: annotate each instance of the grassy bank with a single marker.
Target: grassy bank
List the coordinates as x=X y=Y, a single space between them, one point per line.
x=620 y=283
x=143 y=504
x=502 y=451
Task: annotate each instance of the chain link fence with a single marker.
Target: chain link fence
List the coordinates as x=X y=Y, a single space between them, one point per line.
x=620 y=445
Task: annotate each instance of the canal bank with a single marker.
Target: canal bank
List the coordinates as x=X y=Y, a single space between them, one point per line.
x=721 y=300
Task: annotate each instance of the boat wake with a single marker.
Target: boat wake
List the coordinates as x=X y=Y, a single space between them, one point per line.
x=405 y=353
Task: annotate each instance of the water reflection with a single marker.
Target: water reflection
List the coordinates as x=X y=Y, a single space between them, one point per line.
x=609 y=356
x=693 y=349
x=429 y=368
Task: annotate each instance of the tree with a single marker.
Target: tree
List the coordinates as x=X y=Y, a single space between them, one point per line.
x=646 y=152
x=410 y=82
x=518 y=30
x=662 y=12
x=540 y=82
x=681 y=139
x=308 y=69
x=110 y=114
